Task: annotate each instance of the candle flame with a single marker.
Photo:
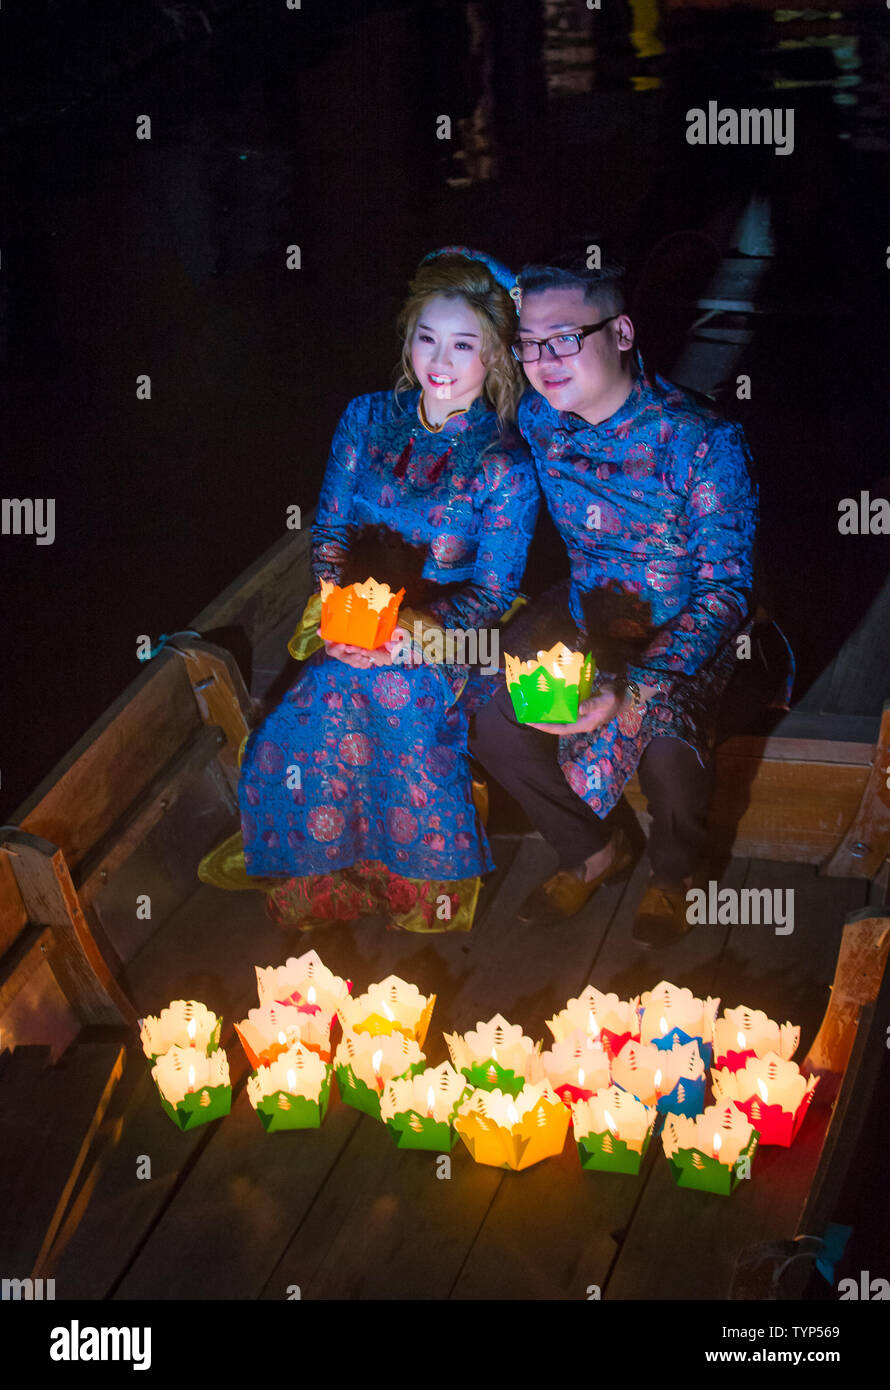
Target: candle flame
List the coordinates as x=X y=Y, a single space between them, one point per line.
x=762 y=1089
x=664 y=1026
x=656 y=1080
x=512 y=1115
x=592 y=1025
x=291 y=1079
x=377 y=1059
x=494 y=1054
x=282 y=1038
x=430 y=1101
x=388 y=1011
x=741 y=1039
x=191 y=1028
x=311 y=994
x=610 y=1122
x=191 y=1078
x=718 y=1144
x=580 y=1076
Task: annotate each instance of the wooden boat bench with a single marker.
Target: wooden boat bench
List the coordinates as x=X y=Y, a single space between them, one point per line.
x=167 y=746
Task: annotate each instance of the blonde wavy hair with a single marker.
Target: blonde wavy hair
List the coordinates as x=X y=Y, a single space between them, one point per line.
x=457 y=277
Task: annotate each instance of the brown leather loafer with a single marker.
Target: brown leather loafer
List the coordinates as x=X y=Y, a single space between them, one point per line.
x=661 y=916
x=563 y=894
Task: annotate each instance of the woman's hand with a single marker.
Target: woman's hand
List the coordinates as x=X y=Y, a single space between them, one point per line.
x=361 y=657
x=592 y=714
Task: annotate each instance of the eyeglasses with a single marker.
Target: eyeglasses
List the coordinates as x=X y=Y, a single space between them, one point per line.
x=560 y=345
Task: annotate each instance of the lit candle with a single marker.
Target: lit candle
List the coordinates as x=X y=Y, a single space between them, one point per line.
x=194 y=1086
x=742 y=1034
x=607 y=1020
x=365 y=1063
x=402 y=1108
x=184 y=1023
x=513 y=1131
x=390 y=1005
x=306 y=983
x=671 y=1015
x=776 y=1110
x=551 y=688
x=612 y=1130
x=711 y=1151
x=496 y=1055
x=272 y=1028
x=292 y=1092
x=575 y=1067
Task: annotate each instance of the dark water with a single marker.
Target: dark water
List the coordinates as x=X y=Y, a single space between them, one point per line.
x=272 y=127
x=318 y=127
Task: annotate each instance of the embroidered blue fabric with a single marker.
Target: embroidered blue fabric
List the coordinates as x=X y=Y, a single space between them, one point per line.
x=658 y=499
x=381 y=754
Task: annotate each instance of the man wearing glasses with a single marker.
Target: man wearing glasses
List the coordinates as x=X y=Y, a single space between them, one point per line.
x=653 y=498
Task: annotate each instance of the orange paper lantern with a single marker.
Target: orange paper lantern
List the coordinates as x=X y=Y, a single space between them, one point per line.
x=363 y=615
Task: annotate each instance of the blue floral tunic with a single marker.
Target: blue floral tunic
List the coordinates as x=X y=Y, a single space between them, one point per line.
x=659 y=499
x=382 y=752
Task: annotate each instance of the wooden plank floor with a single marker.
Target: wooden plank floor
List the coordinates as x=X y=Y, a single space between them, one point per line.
x=231 y=1212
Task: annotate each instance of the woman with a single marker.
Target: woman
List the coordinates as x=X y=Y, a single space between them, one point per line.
x=359 y=781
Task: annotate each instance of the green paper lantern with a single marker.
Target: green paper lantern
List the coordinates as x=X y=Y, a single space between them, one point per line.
x=281 y=1110
x=608 y=1154
x=491 y=1076
x=540 y=697
x=413 y=1131
x=194 y=1109
x=692 y=1168
x=355 y=1092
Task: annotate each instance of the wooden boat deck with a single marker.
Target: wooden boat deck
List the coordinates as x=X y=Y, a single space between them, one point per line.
x=232 y=1213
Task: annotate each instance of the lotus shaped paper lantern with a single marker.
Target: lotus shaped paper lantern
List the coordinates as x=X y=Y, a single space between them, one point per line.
x=550 y=689
x=602 y=1016
x=194 y=1087
x=389 y=1006
x=364 y=1062
x=744 y=1033
x=184 y=1023
x=670 y=1079
x=507 y=1131
x=496 y=1055
x=419 y=1110
x=612 y=1130
x=273 y=1028
x=364 y=615
x=714 y=1151
x=305 y=983
x=671 y=1015
x=773 y=1093
x=575 y=1067
x=293 y=1092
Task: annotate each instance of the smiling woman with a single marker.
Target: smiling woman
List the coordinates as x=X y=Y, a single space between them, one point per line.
x=356 y=790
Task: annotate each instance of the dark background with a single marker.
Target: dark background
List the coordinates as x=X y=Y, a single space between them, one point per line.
x=318 y=127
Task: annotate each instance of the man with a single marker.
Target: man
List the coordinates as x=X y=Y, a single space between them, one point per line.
x=653 y=498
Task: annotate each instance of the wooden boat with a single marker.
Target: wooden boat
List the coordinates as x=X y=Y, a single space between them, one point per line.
x=125 y=818
x=102 y=919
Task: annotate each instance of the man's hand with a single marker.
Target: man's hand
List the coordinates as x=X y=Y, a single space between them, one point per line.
x=592 y=714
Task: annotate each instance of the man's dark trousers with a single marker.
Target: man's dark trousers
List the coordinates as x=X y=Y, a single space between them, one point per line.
x=524 y=761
